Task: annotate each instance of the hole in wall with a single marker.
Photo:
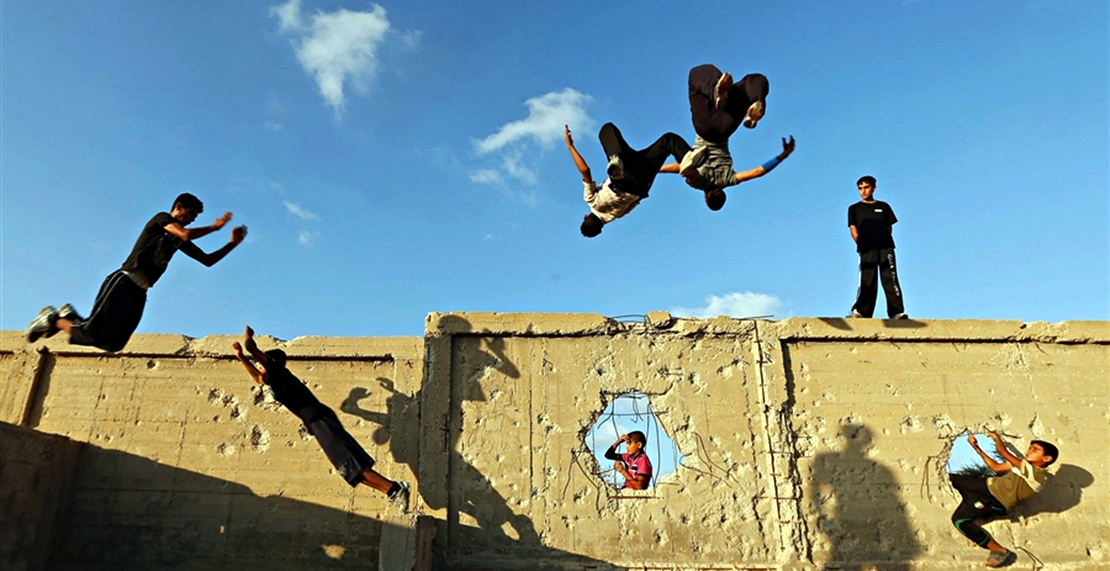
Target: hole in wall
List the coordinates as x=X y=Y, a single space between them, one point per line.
x=623 y=414
x=964 y=461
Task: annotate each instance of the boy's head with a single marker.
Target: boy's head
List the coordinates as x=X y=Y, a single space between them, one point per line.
x=186 y=208
x=591 y=225
x=636 y=442
x=275 y=358
x=1041 y=454
x=715 y=199
x=866 y=187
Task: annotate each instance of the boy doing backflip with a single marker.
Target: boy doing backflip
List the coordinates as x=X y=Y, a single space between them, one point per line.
x=634 y=464
x=348 y=457
x=631 y=174
x=718 y=107
x=871 y=223
x=122 y=298
x=994 y=496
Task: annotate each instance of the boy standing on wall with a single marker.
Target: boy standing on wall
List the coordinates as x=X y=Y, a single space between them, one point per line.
x=994 y=496
x=871 y=223
x=634 y=465
x=348 y=457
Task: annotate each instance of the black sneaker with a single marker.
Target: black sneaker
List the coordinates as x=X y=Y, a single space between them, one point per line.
x=68 y=312
x=899 y=316
x=43 y=324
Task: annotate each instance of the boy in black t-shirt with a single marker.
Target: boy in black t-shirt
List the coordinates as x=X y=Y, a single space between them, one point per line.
x=871 y=222
x=348 y=457
x=120 y=302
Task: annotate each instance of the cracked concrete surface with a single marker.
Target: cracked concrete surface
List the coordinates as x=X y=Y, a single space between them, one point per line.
x=808 y=442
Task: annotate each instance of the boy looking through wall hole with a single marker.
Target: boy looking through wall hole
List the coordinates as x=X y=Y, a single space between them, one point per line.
x=634 y=464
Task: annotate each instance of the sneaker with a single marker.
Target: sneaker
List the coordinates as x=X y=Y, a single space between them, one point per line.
x=899 y=316
x=855 y=313
x=400 y=498
x=1000 y=558
x=693 y=159
x=43 y=324
x=721 y=91
x=615 y=168
x=68 y=312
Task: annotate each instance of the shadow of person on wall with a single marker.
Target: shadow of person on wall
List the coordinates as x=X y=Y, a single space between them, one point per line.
x=1062 y=491
x=399 y=427
x=859 y=508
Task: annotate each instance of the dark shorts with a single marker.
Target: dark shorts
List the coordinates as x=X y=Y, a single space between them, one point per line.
x=345 y=454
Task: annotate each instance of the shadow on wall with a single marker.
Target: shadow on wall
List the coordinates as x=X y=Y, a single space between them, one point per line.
x=1062 y=491
x=859 y=508
x=129 y=512
x=845 y=324
x=400 y=427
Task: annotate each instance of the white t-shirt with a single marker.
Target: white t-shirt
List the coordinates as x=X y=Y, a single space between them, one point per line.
x=607 y=202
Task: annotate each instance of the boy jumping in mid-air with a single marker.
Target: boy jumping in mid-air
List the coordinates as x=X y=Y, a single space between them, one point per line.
x=994 y=496
x=349 y=459
x=122 y=298
x=634 y=465
x=718 y=106
x=631 y=174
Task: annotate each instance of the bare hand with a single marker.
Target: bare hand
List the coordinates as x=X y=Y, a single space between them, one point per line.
x=787 y=147
x=619 y=467
x=219 y=223
x=238 y=349
x=971 y=440
x=567 y=137
x=238 y=234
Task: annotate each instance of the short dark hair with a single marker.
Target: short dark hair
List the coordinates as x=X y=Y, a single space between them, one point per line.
x=715 y=199
x=1049 y=450
x=276 y=358
x=868 y=179
x=187 y=200
x=637 y=436
x=591 y=225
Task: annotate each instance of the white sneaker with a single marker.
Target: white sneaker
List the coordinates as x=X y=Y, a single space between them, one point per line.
x=400 y=498
x=615 y=168
x=900 y=316
x=855 y=313
x=693 y=159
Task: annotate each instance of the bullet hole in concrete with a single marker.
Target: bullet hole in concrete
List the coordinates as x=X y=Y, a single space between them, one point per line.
x=624 y=413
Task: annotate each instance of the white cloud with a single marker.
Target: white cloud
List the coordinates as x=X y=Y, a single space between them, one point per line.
x=486 y=176
x=336 y=48
x=517 y=144
x=736 y=304
x=544 y=125
x=273 y=125
x=307 y=238
x=296 y=210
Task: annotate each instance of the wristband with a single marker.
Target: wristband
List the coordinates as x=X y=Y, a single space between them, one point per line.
x=771 y=164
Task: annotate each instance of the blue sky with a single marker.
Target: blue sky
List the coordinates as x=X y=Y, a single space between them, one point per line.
x=398 y=158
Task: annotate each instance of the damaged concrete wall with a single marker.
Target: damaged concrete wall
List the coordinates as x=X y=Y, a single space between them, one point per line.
x=191 y=463
x=807 y=442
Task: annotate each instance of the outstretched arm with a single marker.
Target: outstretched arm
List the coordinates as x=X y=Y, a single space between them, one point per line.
x=248 y=341
x=787 y=148
x=1004 y=452
x=578 y=160
x=991 y=462
x=255 y=374
x=209 y=259
x=189 y=234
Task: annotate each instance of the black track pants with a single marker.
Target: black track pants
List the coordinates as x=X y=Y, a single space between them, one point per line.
x=880 y=261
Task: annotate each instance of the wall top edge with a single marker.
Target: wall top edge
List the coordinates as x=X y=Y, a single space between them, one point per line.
x=439 y=325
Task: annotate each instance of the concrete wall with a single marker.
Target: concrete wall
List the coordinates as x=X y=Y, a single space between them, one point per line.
x=36 y=475
x=806 y=442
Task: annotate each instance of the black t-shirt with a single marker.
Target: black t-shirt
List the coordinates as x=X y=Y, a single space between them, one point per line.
x=295 y=395
x=872 y=221
x=154 y=248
